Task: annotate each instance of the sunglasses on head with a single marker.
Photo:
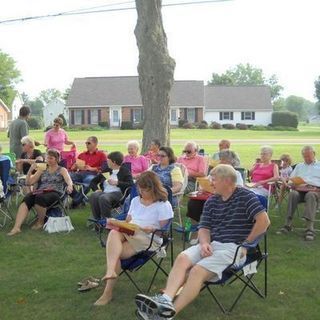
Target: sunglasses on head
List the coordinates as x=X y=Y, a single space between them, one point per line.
x=187 y=151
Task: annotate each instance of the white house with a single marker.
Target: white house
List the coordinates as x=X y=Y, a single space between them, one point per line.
x=15 y=107
x=52 y=110
x=238 y=104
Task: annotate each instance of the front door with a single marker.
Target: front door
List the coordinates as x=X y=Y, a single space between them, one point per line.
x=115 y=117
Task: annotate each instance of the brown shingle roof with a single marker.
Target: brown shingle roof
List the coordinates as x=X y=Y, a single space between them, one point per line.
x=124 y=91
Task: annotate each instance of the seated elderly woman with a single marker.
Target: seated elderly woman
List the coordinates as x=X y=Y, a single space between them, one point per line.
x=153 y=150
x=169 y=174
x=138 y=163
x=195 y=206
x=263 y=172
x=115 y=181
x=150 y=211
x=51 y=179
x=195 y=164
x=29 y=155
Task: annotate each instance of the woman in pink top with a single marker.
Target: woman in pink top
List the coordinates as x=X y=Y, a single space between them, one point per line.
x=263 y=172
x=56 y=137
x=138 y=163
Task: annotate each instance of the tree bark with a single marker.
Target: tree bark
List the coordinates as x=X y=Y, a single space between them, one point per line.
x=156 y=70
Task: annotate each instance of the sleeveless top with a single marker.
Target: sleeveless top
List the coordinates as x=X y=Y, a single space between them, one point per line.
x=164 y=174
x=261 y=172
x=53 y=180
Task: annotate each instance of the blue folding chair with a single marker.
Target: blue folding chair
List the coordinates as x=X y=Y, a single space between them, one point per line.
x=236 y=272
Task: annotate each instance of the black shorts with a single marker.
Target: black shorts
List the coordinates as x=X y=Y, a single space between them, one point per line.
x=44 y=200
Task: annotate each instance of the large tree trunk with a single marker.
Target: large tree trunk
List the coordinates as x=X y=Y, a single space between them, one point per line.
x=156 y=69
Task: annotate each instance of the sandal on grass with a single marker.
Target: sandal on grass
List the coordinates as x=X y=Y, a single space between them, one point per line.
x=92 y=279
x=88 y=285
x=309 y=235
x=285 y=230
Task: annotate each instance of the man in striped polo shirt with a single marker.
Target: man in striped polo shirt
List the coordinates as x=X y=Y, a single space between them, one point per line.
x=230 y=217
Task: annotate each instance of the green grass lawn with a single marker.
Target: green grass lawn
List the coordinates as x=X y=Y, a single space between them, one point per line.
x=39 y=274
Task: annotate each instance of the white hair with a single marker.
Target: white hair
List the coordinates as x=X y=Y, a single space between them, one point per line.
x=134 y=143
x=27 y=140
x=266 y=149
x=308 y=148
x=193 y=144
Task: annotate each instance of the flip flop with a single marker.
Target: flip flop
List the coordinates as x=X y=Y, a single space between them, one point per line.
x=92 y=279
x=88 y=285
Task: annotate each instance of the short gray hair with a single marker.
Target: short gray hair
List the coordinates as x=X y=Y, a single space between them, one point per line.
x=133 y=143
x=225 y=171
x=266 y=149
x=27 y=140
x=193 y=144
x=229 y=156
x=308 y=148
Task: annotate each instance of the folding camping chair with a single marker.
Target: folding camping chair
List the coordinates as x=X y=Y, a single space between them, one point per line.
x=5 y=165
x=235 y=272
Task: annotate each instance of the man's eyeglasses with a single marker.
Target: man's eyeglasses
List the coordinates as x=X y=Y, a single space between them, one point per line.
x=88 y=142
x=187 y=151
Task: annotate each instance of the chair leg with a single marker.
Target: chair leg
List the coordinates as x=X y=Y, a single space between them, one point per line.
x=222 y=308
x=131 y=279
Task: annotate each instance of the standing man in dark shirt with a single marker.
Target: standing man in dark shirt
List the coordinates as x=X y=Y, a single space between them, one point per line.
x=230 y=217
x=17 y=130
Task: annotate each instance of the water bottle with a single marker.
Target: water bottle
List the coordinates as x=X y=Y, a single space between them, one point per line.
x=187 y=228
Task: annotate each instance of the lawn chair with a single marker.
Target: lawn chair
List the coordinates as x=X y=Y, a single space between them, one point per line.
x=235 y=272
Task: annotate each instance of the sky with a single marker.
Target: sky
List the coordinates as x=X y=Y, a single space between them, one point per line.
x=278 y=36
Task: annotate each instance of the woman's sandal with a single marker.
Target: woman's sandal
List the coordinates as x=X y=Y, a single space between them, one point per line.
x=92 y=279
x=88 y=285
x=309 y=235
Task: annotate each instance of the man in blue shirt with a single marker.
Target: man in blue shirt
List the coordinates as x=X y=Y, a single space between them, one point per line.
x=230 y=217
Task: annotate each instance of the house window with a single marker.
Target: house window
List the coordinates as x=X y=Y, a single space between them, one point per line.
x=226 y=115
x=191 y=115
x=94 y=116
x=78 y=120
x=137 y=115
x=248 y=115
x=173 y=115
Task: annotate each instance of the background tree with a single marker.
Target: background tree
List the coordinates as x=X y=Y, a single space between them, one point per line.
x=9 y=77
x=246 y=74
x=36 y=107
x=317 y=93
x=49 y=94
x=156 y=69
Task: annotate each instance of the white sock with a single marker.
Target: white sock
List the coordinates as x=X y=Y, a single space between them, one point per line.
x=167 y=297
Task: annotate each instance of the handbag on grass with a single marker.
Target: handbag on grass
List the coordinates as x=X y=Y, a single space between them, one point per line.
x=58 y=224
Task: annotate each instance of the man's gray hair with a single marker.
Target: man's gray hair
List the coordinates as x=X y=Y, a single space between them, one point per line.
x=229 y=156
x=225 y=171
x=308 y=148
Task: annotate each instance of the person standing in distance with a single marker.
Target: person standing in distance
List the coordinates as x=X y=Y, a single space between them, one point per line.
x=17 y=130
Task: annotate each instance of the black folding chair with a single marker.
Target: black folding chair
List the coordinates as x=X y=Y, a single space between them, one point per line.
x=235 y=273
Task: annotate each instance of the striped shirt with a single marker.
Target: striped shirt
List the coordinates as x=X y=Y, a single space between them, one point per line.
x=231 y=220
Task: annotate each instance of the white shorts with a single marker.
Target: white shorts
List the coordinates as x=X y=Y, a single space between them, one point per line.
x=222 y=256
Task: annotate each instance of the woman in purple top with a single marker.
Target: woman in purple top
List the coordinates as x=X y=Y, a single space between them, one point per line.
x=56 y=137
x=138 y=163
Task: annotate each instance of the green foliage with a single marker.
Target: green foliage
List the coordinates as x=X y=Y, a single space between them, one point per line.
x=35 y=122
x=49 y=94
x=317 y=89
x=215 y=125
x=242 y=126
x=65 y=94
x=9 y=77
x=181 y=122
x=228 y=126
x=36 y=107
x=246 y=74
x=284 y=118
x=126 y=125
x=279 y=104
x=104 y=124
x=201 y=125
x=188 y=125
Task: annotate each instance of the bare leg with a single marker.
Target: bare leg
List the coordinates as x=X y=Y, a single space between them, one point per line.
x=197 y=276
x=106 y=297
x=41 y=212
x=177 y=275
x=21 y=216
